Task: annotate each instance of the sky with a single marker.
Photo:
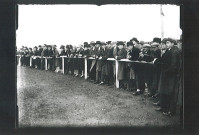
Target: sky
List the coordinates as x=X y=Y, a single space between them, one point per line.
x=75 y=24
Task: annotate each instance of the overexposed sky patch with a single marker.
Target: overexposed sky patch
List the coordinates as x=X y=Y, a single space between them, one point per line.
x=75 y=24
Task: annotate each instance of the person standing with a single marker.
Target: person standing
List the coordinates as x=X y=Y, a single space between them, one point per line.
x=44 y=53
x=155 y=53
x=92 y=71
x=142 y=74
x=132 y=54
x=40 y=49
x=168 y=76
x=120 y=54
x=98 y=62
x=35 y=59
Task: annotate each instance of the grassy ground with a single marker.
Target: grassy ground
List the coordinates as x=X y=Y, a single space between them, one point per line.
x=49 y=99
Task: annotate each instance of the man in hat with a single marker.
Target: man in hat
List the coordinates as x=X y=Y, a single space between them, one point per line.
x=141 y=69
x=55 y=60
x=136 y=43
x=44 y=53
x=50 y=54
x=71 y=60
x=26 y=57
x=153 y=71
x=109 y=73
x=120 y=53
x=92 y=63
x=105 y=54
x=34 y=57
x=170 y=62
x=132 y=54
x=98 y=61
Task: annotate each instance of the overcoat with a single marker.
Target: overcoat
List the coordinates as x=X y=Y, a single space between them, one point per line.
x=105 y=65
x=93 y=53
x=99 y=53
x=134 y=55
x=169 y=63
x=121 y=54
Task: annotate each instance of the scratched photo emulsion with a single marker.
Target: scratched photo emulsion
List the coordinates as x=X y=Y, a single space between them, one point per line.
x=95 y=66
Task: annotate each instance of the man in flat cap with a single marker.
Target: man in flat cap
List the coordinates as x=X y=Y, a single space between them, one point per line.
x=154 y=73
x=170 y=62
x=120 y=53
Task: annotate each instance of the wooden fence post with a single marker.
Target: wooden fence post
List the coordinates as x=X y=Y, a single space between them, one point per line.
x=46 y=64
x=19 y=60
x=30 y=61
x=85 y=68
x=63 y=65
x=116 y=73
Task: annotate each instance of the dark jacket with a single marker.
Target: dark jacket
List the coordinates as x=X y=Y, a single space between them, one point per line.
x=169 y=63
x=40 y=51
x=44 y=53
x=134 y=53
x=121 y=54
x=50 y=53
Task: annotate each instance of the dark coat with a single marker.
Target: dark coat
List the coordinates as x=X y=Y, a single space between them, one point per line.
x=99 y=53
x=40 y=51
x=93 y=52
x=44 y=53
x=105 y=65
x=169 y=63
x=147 y=57
x=121 y=54
x=36 y=53
x=134 y=53
x=50 y=53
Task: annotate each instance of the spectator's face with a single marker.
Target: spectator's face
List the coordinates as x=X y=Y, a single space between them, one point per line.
x=120 y=46
x=145 y=49
x=45 y=48
x=169 y=44
x=85 y=48
x=103 y=46
x=130 y=47
x=134 y=42
x=163 y=46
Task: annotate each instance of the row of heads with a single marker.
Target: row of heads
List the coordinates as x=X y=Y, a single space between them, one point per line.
x=156 y=42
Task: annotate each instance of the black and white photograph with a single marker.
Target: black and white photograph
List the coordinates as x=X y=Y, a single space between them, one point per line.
x=99 y=66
